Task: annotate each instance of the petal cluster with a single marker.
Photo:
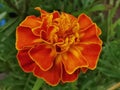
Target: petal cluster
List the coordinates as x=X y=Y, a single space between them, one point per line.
x=57 y=46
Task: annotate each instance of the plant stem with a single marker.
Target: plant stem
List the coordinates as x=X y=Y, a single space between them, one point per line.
x=38 y=84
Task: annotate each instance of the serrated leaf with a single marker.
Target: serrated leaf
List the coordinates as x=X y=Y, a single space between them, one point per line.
x=110 y=60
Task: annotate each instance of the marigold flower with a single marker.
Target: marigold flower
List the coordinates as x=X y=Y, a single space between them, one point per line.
x=57 y=46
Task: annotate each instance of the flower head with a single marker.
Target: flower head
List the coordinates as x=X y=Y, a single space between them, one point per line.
x=57 y=46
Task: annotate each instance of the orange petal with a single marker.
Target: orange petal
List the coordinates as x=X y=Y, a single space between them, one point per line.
x=68 y=19
x=73 y=60
x=90 y=35
x=51 y=31
x=24 y=37
x=52 y=76
x=98 y=31
x=25 y=62
x=43 y=56
x=36 y=31
x=69 y=77
x=91 y=53
x=84 y=21
x=84 y=70
x=31 y=22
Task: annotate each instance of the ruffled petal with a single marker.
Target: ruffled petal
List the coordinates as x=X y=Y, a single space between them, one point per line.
x=46 y=17
x=43 y=56
x=69 y=77
x=25 y=62
x=70 y=18
x=52 y=76
x=90 y=35
x=31 y=22
x=56 y=15
x=51 y=32
x=43 y=12
x=24 y=37
x=73 y=60
x=91 y=53
x=84 y=21
x=36 y=31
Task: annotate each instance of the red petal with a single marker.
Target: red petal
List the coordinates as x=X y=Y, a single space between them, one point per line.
x=69 y=77
x=73 y=60
x=24 y=37
x=36 y=31
x=52 y=76
x=43 y=56
x=56 y=15
x=90 y=35
x=25 y=62
x=84 y=70
x=31 y=22
x=91 y=53
x=43 y=35
x=84 y=21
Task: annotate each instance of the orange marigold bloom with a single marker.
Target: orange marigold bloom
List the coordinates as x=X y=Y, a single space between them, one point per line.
x=57 y=46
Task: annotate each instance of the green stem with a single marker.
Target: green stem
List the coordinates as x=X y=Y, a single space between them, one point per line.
x=38 y=84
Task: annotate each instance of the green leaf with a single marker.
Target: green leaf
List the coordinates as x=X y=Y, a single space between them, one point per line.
x=99 y=7
x=8 y=24
x=9 y=28
x=110 y=60
x=2 y=15
x=117 y=22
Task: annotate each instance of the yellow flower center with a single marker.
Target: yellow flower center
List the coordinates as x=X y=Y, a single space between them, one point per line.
x=64 y=38
x=63 y=32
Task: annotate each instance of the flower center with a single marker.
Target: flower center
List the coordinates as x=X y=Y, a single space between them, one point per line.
x=58 y=49
x=63 y=44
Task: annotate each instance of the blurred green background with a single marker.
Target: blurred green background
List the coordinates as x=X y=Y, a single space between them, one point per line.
x=106 y=13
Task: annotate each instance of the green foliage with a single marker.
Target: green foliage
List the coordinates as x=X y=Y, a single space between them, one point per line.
x=110 y=62
x=103 y=12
